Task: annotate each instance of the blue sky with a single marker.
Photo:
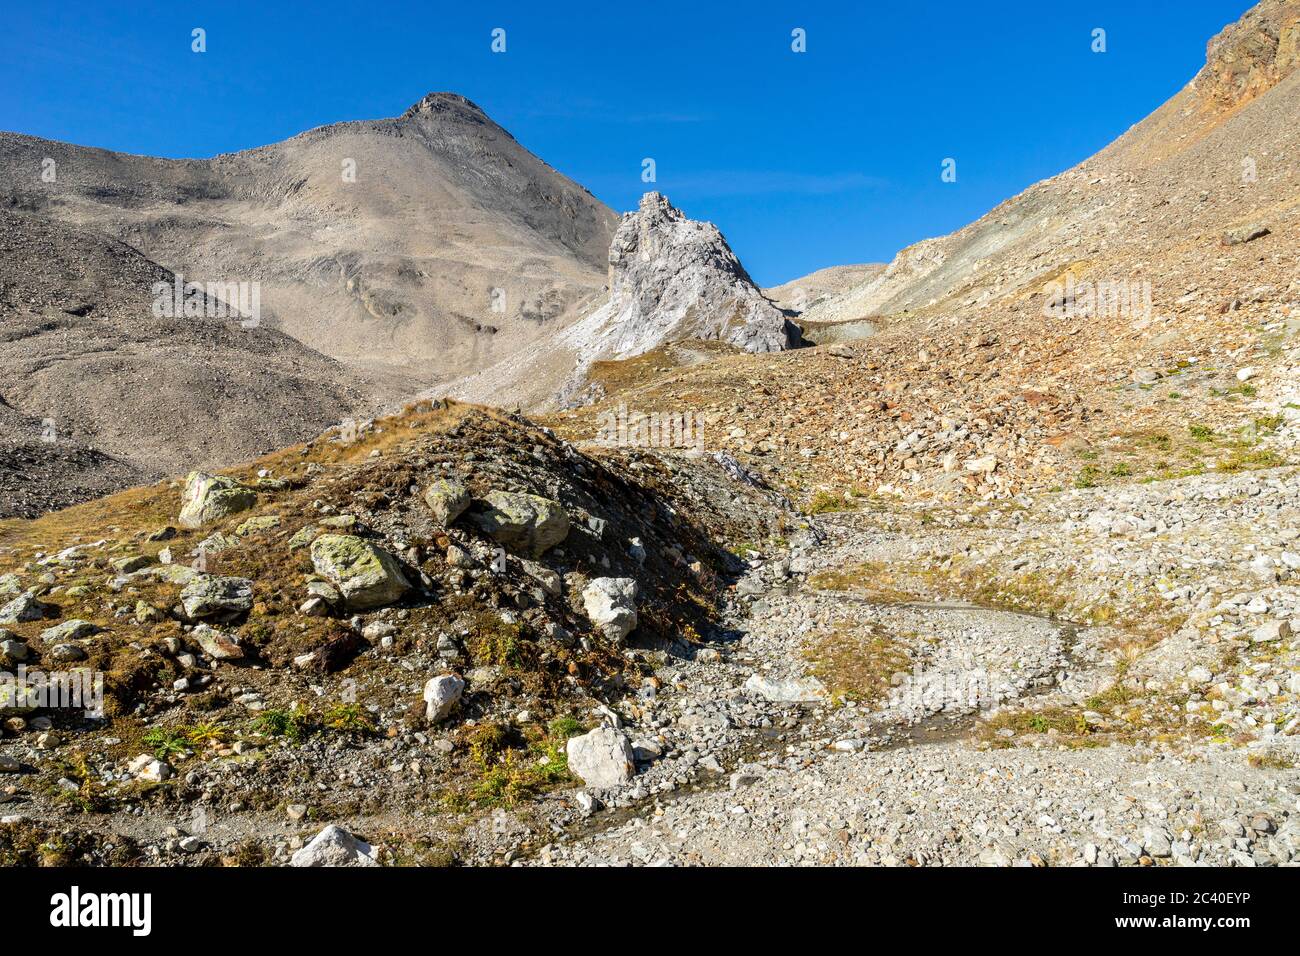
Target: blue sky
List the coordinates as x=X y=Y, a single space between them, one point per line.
x=804 y=160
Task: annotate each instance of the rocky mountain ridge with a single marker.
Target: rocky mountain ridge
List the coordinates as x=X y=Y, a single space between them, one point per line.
x=671 y=279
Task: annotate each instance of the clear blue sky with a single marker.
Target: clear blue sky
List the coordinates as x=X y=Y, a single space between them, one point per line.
x=804 y=160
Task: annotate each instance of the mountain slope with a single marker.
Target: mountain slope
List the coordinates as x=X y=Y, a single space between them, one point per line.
x=1134 y=317
x=100 y=392
x=1222 y=152
x=801 y=294
x=412 y=248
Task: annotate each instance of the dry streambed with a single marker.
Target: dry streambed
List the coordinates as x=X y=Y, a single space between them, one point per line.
x=926 y=731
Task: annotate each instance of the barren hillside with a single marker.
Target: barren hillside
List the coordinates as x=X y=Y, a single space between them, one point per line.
x=100 y=392
x=1220 y=156
x=412 y=249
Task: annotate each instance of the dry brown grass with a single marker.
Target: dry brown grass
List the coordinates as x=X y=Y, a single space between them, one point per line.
x=856 y=664
x=145 y=509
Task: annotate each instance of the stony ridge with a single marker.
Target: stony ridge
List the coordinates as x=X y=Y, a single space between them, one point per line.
x=671 y=279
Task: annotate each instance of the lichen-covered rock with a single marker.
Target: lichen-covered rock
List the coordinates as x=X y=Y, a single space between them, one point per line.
x=610 y=603
x=209 y=498
x=257 y=525
x=215 y=543
x=146 y=613
x=529 y=524
x=365 y=575
x=26 y=607
x=550 y=581
x=447 y=500
x=67 y=653
x=181 y=574
x=304 y=536
x=72 y=630
x=10 y=585
x=341 y=522
x=132 y=562
x=218 y=645
x=602 y=758
x=210 y=596
x=325 y=591
x=17 y=701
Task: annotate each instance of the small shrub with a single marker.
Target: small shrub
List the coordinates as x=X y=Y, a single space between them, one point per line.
x=348 y=719
x=295 y=724
x=166 y=742
x=824 y=502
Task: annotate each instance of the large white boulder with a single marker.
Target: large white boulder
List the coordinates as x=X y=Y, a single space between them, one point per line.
x=610 y=603
x=335 y=846
x=602 y=758
x=441 y=695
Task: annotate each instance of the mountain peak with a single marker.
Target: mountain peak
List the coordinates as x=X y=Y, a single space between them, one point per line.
x=446 y=104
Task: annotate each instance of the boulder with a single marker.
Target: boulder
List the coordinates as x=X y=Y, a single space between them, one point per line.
x=1247 y=233
x=341 y=522
x=17 y=701
x=441 y=695
x=601 y=758
x=146 y=613
x=314 y=607
x=550 y=581
x=671 y=279
x=218 y=645
x=72 y=630
x=325 y=591
x=1271 y=631
x=790 y=690
x=447 y=500
x=26 y=607
x=67 y=653
x=210 y=596
x=170 y=573
x=257 y=525
x=610 y=603
x=210 y=498
x=303 y=537
x=149 y=769
x=365 y=575
x=335 y=846
x=529 y=524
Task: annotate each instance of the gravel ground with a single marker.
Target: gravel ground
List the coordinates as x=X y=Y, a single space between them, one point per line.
x=946 y=765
